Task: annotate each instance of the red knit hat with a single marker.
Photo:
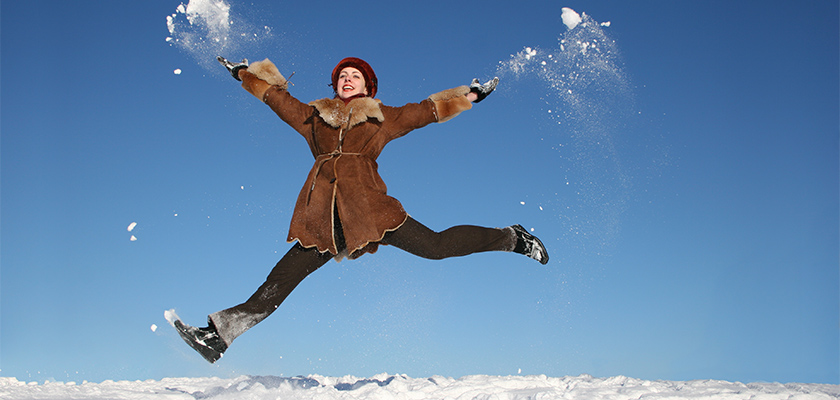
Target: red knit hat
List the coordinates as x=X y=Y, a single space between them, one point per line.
x=363 y=67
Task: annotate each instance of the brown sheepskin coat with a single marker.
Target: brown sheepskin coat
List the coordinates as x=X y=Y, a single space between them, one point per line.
x=346 y=140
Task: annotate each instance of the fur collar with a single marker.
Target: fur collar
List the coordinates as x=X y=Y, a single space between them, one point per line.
x=336 y=113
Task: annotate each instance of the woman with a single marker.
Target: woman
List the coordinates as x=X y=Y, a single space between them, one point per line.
x=343 y=209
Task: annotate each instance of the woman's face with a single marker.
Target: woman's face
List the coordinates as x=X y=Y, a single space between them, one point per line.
x=350 y=83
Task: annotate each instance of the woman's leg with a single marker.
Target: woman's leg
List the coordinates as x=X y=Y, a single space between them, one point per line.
x=286 y=275
x=456 y=241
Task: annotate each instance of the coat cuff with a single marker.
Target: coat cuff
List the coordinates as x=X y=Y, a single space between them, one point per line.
x=266 y=74
x=450 y=103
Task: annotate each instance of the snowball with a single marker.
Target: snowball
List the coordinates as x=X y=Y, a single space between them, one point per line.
x=529 y=52
x=170 y=24
x=215 y=15
x=570 y=18
x=171 y=316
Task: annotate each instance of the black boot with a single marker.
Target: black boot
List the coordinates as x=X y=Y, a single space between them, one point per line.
x=206 y=341
x=529 y=245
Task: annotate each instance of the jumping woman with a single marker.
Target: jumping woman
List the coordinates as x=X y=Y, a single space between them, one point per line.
x=343 y=209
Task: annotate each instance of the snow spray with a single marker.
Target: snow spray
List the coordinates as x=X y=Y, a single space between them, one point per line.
x=207 y=28
x=587 y=97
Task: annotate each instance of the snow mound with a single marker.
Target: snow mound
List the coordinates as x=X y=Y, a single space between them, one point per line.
x=386 y=386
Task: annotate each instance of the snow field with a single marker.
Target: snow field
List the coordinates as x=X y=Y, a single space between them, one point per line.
x=384 y=386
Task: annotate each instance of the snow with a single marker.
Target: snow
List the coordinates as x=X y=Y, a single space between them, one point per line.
x=570 y=18
x=215 y=15
x=130 y=228
x=171 y=316
x=385 y=386
x=208 y=28
x=591 y=96
x=529 y=52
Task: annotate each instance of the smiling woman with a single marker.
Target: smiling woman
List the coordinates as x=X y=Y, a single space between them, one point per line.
x=351 y=83
x=343 y=209
x=353 y=77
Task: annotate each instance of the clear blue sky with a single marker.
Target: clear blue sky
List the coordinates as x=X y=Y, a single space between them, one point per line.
x=691 y=215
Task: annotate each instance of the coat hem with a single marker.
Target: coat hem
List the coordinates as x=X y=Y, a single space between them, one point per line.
x=340 y=255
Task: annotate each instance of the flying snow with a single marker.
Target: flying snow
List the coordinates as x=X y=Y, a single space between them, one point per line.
x=587 y=96
x=570 y=18
x=130 y=228
x=208 y=28
x=214 y=15
x=171 y=316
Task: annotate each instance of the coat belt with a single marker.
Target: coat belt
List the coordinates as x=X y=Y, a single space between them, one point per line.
x=319 y=162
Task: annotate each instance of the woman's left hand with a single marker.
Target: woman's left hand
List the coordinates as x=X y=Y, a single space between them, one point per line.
x=478 y=91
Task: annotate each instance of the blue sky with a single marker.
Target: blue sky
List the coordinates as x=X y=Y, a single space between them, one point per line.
x=689 y=201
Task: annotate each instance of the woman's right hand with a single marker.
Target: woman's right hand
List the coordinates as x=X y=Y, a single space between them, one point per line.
x=233 y=68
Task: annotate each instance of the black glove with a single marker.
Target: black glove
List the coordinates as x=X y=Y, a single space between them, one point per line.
x=483 y=90
x=233 y=68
